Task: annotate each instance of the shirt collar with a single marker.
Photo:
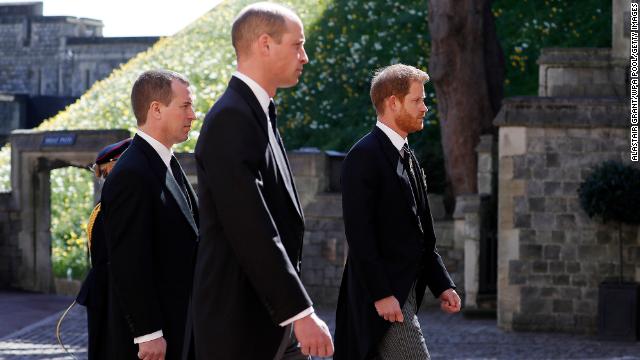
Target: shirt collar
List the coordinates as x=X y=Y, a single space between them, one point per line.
x=397 y=140
x=260 y=93
x=165 y=154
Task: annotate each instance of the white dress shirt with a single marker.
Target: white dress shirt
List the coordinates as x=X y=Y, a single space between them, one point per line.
x=163 y=151
x=397 y=140
x=264 y=99
x=165 y=155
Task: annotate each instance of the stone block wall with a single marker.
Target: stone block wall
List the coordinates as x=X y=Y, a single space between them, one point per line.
x=552 y=256
x=94 y=58
x=12 y=114
x=325 y=246
x=581 y=72
x=10 y=254
x=57 y=55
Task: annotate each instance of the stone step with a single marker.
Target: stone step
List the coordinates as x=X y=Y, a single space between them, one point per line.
x=487 y=307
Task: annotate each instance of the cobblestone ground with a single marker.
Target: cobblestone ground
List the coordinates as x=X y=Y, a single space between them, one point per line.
x=448 y=337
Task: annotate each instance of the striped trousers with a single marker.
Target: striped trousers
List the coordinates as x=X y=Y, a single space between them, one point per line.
x=404 y=340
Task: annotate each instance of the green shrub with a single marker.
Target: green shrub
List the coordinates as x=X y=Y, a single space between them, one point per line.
x=612 y=193
x=72 y=202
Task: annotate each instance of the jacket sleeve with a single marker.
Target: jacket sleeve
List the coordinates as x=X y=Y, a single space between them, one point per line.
x=230 y=153
x=359 y=187
x=128 y=210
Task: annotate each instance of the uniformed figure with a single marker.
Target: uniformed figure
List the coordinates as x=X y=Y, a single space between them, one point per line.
x=93 y=293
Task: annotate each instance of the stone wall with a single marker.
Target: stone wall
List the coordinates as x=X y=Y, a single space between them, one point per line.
x=10 y=254
x=57 y=55
x=325 y=247
x=581 y=72
x=12 y=114
x=552 y=256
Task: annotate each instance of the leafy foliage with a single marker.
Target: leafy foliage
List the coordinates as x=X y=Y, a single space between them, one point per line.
x=72 y=201
x=330 y=108
x=612 y=193
x=524 y=27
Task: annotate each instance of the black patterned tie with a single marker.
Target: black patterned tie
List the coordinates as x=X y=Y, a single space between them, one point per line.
x=407 y=161
x=177 y=174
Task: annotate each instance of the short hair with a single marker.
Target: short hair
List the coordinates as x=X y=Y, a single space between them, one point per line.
x=150 y=86
x=394 y=80
x=257 y=19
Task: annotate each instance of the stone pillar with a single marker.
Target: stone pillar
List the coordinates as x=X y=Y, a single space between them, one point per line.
x=486 y=165
x=467 y=223
x=620 y=41
x=310 y=170
x=512 y=142
x=471 y=215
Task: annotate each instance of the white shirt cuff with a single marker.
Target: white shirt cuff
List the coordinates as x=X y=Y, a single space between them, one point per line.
x=304 y=313
x=148 y=337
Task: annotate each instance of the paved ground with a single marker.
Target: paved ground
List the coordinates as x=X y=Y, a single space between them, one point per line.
x=448 y=336
x=19 y=309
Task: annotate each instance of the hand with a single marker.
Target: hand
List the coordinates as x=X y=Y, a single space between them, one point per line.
x=313 y=335
x=389 y=309
x=152 y=350
x=449 y=301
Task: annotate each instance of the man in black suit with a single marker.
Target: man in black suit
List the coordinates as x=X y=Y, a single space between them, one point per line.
x=150 y=213
x=248 y=300
x=392 y=254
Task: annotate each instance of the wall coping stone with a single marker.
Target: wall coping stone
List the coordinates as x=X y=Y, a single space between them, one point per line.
x=576 y=57
x=564 y=112
x=486 y=143
x=99 y=40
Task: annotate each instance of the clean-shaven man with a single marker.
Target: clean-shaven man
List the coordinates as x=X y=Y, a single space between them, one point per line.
x=150 y=223
x=248 y=300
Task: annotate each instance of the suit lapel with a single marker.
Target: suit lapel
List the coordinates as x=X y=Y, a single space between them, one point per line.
x=165 y=177
x=393 y=158
x=293 y=192
x=245 y=92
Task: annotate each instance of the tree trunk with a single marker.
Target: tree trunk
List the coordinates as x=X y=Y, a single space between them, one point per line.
x=467 y=70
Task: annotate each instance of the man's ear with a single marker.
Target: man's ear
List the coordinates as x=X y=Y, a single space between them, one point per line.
x=154 y=109
x=392 y=103
x=263 y=44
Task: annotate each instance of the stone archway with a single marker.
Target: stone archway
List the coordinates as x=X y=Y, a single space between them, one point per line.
x=33 y=155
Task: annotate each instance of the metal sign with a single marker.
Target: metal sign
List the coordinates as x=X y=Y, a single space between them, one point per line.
x=55 y=140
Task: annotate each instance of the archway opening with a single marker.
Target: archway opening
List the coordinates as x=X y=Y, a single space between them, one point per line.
x=72 y=200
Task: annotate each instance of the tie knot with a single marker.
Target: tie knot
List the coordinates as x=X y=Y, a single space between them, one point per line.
x=272 y=108
x=405 y=150
x=272 y=113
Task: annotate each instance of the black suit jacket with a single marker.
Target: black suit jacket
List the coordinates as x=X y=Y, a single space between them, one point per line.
x=246 y=278
x=151 y=238
x=93 y=293
x=391 y=244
